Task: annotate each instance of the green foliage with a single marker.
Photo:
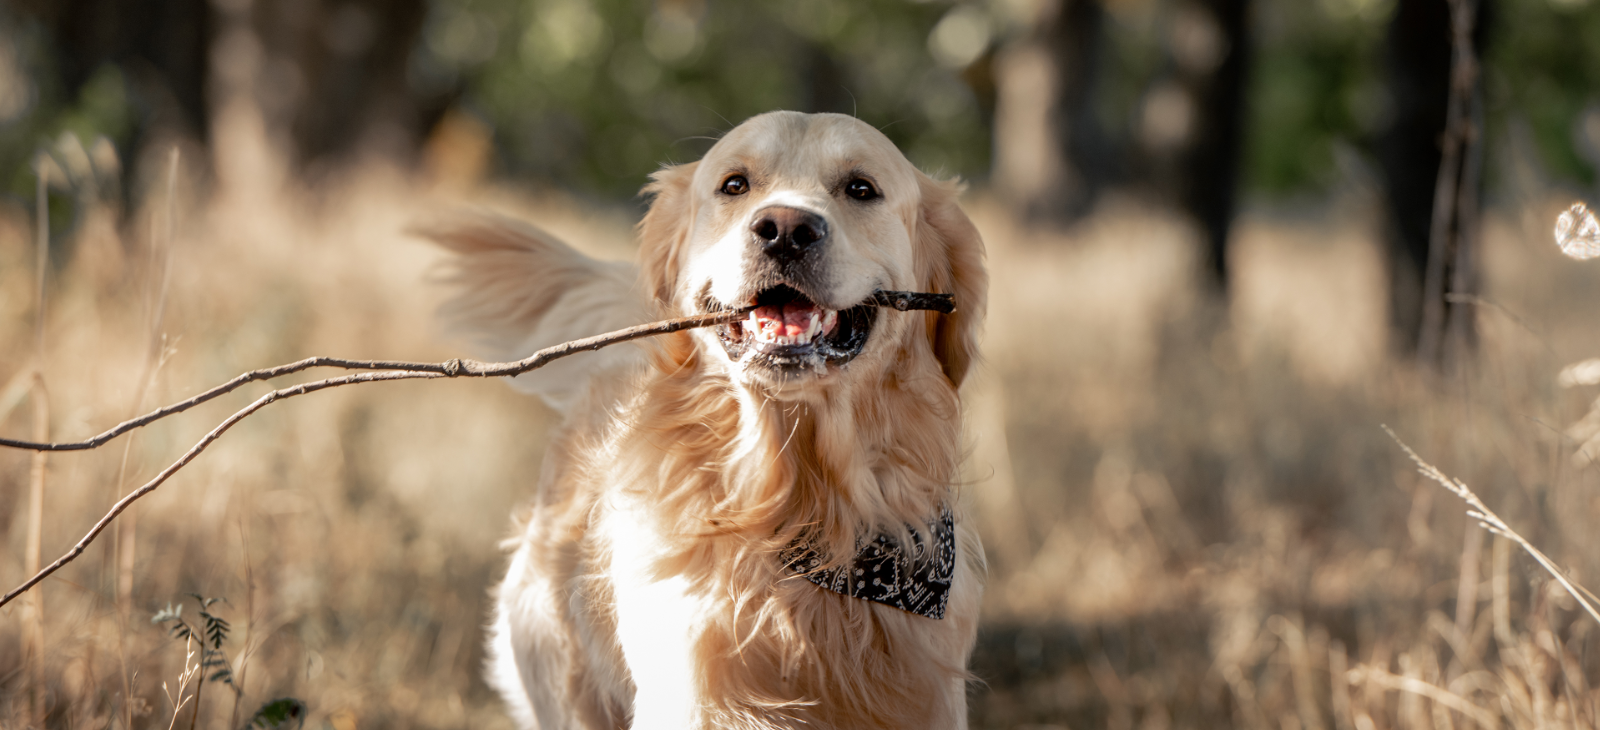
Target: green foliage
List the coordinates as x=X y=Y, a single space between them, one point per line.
x=29 y=102
x=36 y=114
x=210 y=634
x=284 y=713
x=1316 y=83
x=595 y=93
x=1544 y=68
x=102 y=109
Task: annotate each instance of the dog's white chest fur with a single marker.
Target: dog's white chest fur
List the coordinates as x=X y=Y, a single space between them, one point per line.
x=658 y=620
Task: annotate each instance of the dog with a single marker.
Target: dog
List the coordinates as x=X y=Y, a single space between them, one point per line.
x=753 y=525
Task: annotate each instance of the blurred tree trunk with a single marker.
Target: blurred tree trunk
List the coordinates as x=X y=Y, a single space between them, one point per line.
x=1210 y=174
x=1432 y=156
x=335 y=75
x=1052 y=158
x=822 y=83
x=161 y=46
x=1192 y=124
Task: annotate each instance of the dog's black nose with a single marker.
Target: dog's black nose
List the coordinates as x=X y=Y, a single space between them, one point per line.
x=786 y=234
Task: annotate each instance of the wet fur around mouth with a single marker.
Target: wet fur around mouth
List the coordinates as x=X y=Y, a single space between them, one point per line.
x=836 y=348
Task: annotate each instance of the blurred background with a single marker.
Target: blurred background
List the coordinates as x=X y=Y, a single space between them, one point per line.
x=1229 y=240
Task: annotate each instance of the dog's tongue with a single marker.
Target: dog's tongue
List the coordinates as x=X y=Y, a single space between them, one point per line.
x=791 y=320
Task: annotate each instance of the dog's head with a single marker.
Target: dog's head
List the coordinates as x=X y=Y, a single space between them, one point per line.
x=805 y=216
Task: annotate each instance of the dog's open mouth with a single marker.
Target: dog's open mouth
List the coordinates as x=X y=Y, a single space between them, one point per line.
x=787 y=331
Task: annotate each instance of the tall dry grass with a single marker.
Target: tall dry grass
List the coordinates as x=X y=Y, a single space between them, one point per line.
x=1218 y=531
x=1193 y=515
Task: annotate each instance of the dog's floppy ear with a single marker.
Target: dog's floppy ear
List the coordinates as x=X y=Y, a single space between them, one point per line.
x=663 y=230
x=951 y=254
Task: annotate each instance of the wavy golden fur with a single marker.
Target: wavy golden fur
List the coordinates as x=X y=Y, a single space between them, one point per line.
x=646 y=588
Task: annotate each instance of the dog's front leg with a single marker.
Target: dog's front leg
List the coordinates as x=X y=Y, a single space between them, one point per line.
x=656 y=624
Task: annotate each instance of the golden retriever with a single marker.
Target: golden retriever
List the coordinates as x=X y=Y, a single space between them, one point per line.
x=709 y=514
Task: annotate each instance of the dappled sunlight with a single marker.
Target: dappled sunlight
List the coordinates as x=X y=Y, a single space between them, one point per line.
x=1192 y=514
x=1143 y=461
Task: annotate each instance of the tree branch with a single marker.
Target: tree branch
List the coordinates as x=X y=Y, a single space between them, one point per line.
x=388 y=370
x=450 y=368
x=1448 y=331
x=904 y=300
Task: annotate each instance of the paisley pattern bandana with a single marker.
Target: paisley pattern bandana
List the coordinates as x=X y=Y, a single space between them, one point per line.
x=915 y=580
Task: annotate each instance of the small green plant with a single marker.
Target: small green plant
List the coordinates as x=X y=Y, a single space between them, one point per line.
x=210 y=634
x=285 y=713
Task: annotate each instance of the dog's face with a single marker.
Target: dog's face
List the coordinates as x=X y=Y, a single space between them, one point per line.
x=805 y=216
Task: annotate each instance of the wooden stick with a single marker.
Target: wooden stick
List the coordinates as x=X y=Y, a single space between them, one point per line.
x=388 y=370
x=463 y=368
x=904 y=300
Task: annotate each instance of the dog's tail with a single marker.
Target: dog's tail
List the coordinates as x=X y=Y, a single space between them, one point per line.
x=519 y=289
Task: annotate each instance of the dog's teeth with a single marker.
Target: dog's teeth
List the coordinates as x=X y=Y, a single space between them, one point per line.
x=779 y=332
x=768 y=329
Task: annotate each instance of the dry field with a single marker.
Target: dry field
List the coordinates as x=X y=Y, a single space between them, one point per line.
x=1194 y=516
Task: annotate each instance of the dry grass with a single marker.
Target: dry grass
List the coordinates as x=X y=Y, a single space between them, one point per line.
x=1219 y=532
x=1195 y=519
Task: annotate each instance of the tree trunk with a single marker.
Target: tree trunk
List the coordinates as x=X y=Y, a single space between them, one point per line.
x=1432 y=159
x=336 y=76
x=1052 y=158
x=1192 y=125
x=161 y=47
x=1210 y=166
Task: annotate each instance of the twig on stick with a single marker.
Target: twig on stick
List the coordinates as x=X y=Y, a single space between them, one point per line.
x=905 y=300
x=387 y=370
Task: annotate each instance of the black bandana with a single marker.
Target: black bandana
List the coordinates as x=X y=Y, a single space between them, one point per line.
x=883 y=572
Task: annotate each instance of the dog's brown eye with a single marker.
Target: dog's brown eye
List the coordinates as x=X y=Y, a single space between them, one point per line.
x=860 y=189
x=736 y=185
